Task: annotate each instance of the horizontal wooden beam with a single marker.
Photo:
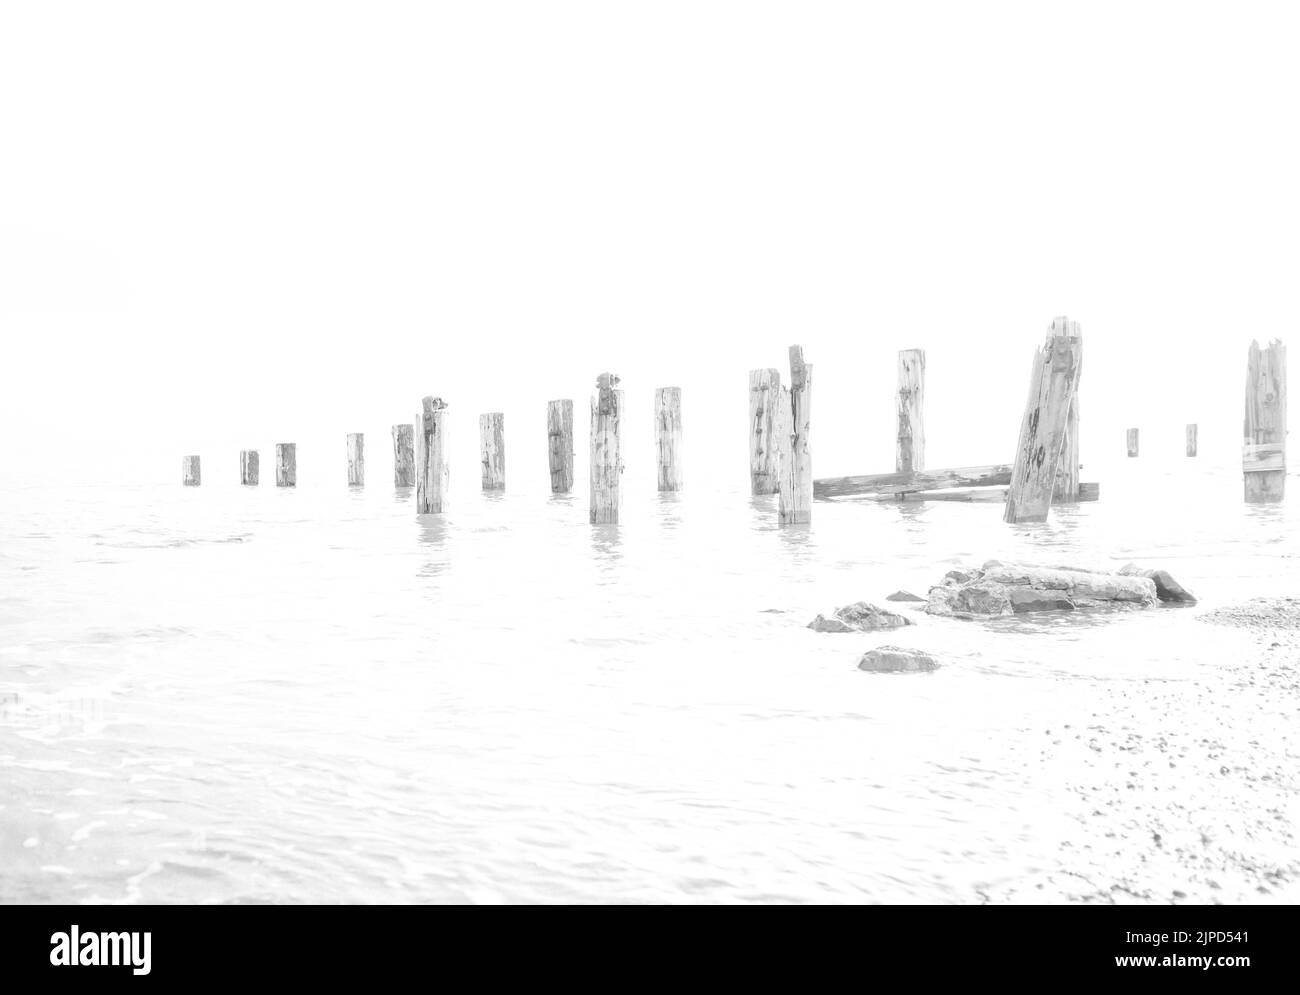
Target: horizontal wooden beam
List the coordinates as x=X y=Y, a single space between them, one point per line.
x=991 y=495
x=903 y=483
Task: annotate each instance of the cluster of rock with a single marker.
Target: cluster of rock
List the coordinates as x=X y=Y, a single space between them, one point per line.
x=859 y=617
x=1004 y=589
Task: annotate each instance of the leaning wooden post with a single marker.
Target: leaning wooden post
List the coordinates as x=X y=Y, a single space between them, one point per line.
x=795 y=503
x=1191 y=440
x=606 y=450
x=356 y=459
x=286 y=464
x=909 y=414
x=1066 y=488
x=1263 y=455
x=1053 y=377
x=764 y=447
x=559 y=432
x=431 y=476
x=1131 y=441
x=403 y=455
x=248 y=467
x=190 y=476
x=492 y=450
x=668 y=437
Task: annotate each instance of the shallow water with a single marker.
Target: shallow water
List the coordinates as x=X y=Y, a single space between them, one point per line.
x=312 y=695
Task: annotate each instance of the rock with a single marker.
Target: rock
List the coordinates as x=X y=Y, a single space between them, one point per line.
x=1167 y=589
x=1001 y=589
x=903 y=596
x=859 y=617
x=897 y=660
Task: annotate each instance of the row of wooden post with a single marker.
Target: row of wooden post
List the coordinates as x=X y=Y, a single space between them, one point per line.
x=1131 y=440
x=780 y=454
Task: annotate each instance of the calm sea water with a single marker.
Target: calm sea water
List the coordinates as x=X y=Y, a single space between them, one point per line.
x=312 y=695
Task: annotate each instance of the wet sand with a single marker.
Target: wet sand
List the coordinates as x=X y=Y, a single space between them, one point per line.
x=1231 y=837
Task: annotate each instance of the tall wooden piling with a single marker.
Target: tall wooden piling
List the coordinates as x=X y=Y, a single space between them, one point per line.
x=765 y=405
x=356 y=459
x=403 y=455
x=1065 y=490
x=668 y=437
x=190 y=475
x=796 y=482
x=1131 y=442
x=1191 y=440
x=909 y=412
x=286 y=464
x=1053 y=378
x=559 y=432
x=1263 y=454
x=431 y=472
x=492 y=450
x=606 y=450
x=248 y=467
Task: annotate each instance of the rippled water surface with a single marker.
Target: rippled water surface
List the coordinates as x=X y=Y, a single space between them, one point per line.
x=225 y=694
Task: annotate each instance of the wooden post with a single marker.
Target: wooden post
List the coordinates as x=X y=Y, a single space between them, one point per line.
x=492 y=450
x=909 y=415
x=764 y=447
x=1263 y=455
x=1191 y=440
x=1132 y=441
x=1053 y=377
x=431 y=475
x=795 y=505
x=190 y=471
x=606 y=450
x=403 y=455
x=286 y=464
x=248 y=467
x=559 y=431
x=668 y=437
x=356 y=459
x=1066 y=488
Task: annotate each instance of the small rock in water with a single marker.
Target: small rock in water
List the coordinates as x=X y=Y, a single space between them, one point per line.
x=903 y=596
x=859 y=617
x=897 y=660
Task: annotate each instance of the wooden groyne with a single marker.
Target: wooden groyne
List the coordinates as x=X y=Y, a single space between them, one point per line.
x=492 y=450
x=909 y=412
x=431 y=456
x=404 y=455
x=356 y=459
x=1263 y=452
x=1045 y=470
x=286 y=464
x=606 y=451
x=559 y=435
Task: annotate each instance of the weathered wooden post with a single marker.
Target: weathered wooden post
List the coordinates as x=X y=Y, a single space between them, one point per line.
x=286 y=464
x=1053 y=377
x=1191 y=440
x=909 y=413
x=1132 y=442
x=559 y=432
x=764 y=447
x=1066 y=488
x=668 y=437
x=356 y=459
x=492 y=450
x=606 y=450
x=431 y=473
x=248 y=467
x=403 y=455
x=796 y=484
x=1263 y=455
x=190 y=471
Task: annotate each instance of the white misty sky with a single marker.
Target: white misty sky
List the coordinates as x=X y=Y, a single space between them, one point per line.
x=229 y=224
